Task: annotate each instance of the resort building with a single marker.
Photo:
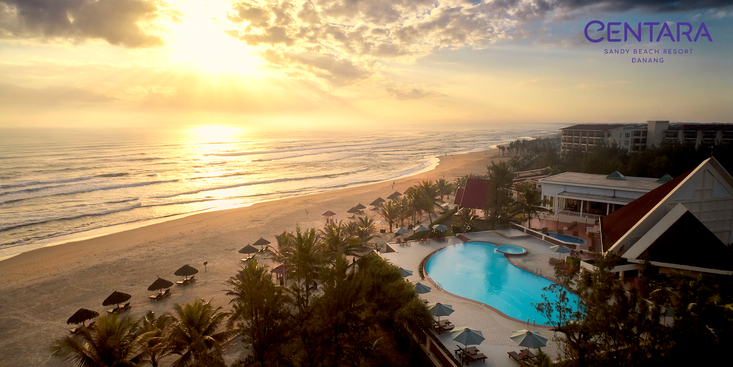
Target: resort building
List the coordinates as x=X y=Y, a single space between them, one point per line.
x=575 y=196
x=684 y=224
x=473 y=195
x=637 y=137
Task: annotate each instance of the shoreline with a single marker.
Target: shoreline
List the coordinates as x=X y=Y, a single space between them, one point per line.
x=41 y=288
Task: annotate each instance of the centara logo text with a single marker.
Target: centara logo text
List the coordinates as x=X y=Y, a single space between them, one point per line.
x=614 y=28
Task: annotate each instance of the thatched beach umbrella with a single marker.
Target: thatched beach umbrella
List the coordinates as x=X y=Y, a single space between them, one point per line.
x=394 y=195
x=353 y=210
x=377 y=201
x=81 y=316
x=249 y=249
x=359 y=206
x=185 y=271
x=116 y=298
x=160 y=283
x=261 y=242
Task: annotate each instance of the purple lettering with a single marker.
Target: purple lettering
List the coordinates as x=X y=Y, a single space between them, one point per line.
x=651 y=29
x=610 y=32
x=687 y=33
x=706 y=34
x=627 y=28
x=599 y=30
x=668 y=33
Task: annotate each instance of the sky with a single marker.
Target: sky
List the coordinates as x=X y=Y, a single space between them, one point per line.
x=360 y=63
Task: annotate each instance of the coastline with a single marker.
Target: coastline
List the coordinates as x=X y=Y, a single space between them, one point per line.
x=41 y=288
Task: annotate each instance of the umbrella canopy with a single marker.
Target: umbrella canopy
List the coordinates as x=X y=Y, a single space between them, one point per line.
x=421 y=288
x=328 y=214
x=381 y=223
x=249 y=249
x=359 y=206
x=353 y=210
x=441 y=227
x=394 y=195
x=185 y=271
x=160 y=283
x=82 y=315
x=261 y=242
x=529 y=339
x=377 y=201
x=280 y=269
x=560 y=249
x=439 y=309
x=467 y=336
x=116 y=298
x=421 y=228
x=401 y=230
x=405 y=273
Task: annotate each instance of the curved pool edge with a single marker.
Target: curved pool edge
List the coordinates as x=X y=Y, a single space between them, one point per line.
x=436 y=286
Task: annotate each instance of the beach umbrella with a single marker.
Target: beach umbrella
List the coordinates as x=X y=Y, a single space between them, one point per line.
x=329 y=214
x=405 y=273
x=116 y=298
x=439 y=309
x=82 y=315
x=160 y=283
x=394 y=195
x=381 y=223
x=185 y=271
x=359 y=206
x=401 y=230
x=353 y=210
x=421 y=288
x=529 y=339
x=249 y=249
x=560 y=249
x=261 y=242
x=468 y=336
x=421 y=228
x=377 y=201
x=441 y=227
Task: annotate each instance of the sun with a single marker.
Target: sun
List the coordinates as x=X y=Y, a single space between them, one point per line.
x=199 y=40
x=214 y=133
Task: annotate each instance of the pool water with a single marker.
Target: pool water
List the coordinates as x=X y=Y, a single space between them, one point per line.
x=511 y=250
x=474 y=270
x=566 y=238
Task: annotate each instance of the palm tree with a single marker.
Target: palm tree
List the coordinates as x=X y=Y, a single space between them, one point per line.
x=154 y=331
x=530 y=202
x=304 y=255
x=366 y=230
x=259 y=313
x=466 y=217
x=390 y=212
x=196 y=336
x=338 y=241
x=113 y=342
x=444 y=188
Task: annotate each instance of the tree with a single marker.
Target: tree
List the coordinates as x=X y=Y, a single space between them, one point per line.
x=113 y=342
x=444 y=188
x=366 y=230
x=530 y=202
x=339 y=241
x=260 y=315
x=303 y=253
x=154 y=332
x=390 y=212
x=499 y=197
x=196 y=334
x=466 y=217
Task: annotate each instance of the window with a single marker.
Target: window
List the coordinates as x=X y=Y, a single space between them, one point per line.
x=626 y=142
x=627 y=135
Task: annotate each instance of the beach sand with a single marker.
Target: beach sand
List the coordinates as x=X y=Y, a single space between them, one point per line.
x=41 y=289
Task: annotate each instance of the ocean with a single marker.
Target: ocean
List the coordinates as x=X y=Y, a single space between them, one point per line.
x=59 y=185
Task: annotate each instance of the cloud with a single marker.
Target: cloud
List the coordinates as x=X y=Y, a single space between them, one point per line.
x=405 y=93
x=118 y=22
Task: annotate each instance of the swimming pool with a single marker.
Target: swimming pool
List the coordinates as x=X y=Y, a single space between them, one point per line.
x=566 y=238
x=475 y=271
x=511 y=250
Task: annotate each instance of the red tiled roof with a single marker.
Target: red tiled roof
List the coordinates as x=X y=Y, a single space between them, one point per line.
x=459 y=196
x=474 y=194
x=616 y=224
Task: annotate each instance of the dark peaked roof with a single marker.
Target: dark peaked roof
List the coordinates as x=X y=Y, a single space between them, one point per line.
x=459 y=196
x=474 y=194
x=688 y=242
x=616 y=224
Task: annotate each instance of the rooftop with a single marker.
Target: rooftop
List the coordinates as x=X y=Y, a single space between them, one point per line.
x=600 y=180
x=601 y=127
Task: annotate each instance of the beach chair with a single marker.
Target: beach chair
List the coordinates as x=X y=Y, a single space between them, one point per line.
x=468 y=358
x=125 y=307
x=156 y=296
x=167 y=293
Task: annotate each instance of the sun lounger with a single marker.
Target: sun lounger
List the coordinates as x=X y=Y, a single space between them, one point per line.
x=156 y=296
x=187 y=281
x=470 y=350
x=443 y=326
x=468 y=358
x=125 y=307
x=527 y=354
x=516 y=357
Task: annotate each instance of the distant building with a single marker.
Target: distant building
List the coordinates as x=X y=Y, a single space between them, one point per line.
x=685 y=224
x=638 y=137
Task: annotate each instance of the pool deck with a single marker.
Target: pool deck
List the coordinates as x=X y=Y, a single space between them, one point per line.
x=495 y=327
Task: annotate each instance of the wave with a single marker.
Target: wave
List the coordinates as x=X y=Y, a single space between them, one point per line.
x=105 y=188
x=52 y=220
x=121 y=174
x=36 y=183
